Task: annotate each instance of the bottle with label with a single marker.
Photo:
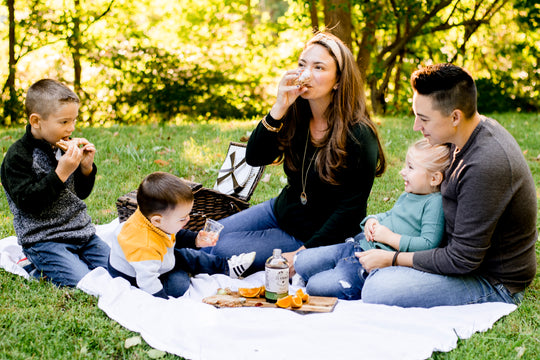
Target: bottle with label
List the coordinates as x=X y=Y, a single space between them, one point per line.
x=276 y=271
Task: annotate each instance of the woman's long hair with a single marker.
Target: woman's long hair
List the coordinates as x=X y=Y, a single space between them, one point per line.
x=347 y=108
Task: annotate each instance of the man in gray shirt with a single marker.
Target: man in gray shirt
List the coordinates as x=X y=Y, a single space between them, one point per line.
x=489 y=201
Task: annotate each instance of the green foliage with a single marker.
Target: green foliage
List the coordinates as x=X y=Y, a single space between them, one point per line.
x=144 y=60
x=500 y=95
x=168 y=85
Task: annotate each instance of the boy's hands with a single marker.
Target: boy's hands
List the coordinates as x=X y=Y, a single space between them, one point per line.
x=76 y=156
x=88 y=154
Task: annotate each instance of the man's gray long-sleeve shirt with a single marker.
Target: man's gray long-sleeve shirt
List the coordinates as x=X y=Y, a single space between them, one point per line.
x=490 y=205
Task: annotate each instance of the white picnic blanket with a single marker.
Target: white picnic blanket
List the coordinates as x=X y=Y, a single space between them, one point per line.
x=191 y=329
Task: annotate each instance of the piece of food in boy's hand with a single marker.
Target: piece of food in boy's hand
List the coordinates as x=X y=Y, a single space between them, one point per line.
x=64 y=144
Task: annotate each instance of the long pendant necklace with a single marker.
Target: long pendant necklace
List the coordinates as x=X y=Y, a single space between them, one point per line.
x=303 y=196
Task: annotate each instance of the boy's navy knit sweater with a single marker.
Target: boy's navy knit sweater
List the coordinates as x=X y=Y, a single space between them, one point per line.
x=45 y=208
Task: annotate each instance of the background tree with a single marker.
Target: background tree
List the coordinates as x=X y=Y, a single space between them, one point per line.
x=155 y=60
x=12 y=102
x=391 y=33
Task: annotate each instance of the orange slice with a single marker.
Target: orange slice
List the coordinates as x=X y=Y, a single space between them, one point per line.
x=249 y=292
x=300 y=293
x=296 y=302
x=284 y=302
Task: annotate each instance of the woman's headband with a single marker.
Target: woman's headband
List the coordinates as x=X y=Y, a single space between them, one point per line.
x=332 y=44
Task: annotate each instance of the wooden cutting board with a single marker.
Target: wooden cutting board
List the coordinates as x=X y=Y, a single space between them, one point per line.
x=315 y=303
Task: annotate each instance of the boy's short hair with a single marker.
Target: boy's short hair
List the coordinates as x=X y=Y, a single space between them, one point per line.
x=46 y=95
x=161 y=191
x=450 y=86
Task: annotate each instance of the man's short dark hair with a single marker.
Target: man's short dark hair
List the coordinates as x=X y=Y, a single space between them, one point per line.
x=161 y=191
x=450 y=86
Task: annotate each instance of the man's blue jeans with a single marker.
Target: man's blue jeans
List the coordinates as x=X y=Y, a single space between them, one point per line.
x=66 y=264
x=254 y=229
x=332 y=270
x=407 y=287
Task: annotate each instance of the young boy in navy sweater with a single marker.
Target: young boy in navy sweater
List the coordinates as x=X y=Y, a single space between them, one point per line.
x=45 y=187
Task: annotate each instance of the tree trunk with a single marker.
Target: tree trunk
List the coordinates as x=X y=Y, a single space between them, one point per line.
x=386 y=59
x=368 y=41
x=337 y=19
x=249 y=23
x=313 y=14
x=76 y=48
x=10 y=107
x=397 y=81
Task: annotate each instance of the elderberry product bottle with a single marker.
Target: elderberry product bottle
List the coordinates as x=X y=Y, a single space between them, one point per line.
x=276 y=272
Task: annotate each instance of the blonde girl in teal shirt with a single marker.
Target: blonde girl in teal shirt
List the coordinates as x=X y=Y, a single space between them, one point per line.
x=416 y=222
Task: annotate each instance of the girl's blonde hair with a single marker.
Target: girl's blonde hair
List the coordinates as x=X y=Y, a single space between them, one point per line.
x=436 y=157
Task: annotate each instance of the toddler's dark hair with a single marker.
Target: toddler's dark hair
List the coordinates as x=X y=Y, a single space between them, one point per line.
x=161 y=191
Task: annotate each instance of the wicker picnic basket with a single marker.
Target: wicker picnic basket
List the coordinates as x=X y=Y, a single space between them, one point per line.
x=208 y=203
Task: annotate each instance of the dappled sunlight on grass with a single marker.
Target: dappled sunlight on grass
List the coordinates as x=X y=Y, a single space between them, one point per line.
x=200 y=154
x=237 y=125
x=6 y=224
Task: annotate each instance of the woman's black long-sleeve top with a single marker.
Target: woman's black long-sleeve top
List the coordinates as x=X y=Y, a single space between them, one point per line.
x=332 y=212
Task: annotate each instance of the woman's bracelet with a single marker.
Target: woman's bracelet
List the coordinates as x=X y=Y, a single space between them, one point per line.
x=270 y=127
x=394 y=259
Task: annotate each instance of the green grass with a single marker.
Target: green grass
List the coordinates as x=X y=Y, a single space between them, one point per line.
x=41 y=321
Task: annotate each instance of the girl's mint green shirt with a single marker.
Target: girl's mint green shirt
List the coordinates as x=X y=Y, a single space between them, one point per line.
x=419 y=219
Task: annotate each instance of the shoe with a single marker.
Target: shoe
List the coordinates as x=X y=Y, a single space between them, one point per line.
x=26 y=264
x=238 y=264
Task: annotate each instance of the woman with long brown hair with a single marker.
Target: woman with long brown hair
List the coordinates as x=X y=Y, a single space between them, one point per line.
x=319 y=127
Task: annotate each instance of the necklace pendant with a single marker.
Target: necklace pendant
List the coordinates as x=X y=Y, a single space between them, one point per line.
x=303 y=198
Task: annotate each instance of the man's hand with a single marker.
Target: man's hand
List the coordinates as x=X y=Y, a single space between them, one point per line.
x=375 y=259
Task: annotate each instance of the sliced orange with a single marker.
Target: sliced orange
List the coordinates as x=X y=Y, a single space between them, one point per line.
x=296 y=302
x=261 y=292
x=249 y=292
x=284 y=302
x=300 y=293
